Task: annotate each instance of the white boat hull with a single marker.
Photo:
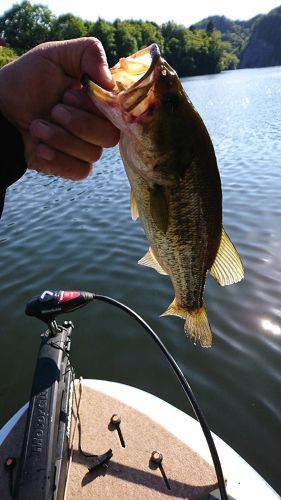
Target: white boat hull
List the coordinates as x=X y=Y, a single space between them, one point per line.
x=243 y=482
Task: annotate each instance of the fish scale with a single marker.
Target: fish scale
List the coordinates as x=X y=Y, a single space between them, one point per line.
x=182 y=251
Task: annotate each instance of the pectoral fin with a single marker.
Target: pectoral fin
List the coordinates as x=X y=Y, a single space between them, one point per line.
x=159 y=208
x=227 y=267
x=134 y=208
x=196 y=323
x=150 y=260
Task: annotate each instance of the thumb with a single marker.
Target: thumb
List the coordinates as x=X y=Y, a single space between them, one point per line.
x=82 y=55
x=94 y=63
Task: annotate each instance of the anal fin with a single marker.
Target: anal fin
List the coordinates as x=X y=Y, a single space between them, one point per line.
x=196 y=323
x=227 y=267
x=150 y=260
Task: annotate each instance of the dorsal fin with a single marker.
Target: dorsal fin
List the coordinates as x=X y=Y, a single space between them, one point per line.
x=227 y=267
x=134 y=208
x=150 y=260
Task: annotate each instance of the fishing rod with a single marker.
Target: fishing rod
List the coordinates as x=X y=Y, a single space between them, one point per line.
x=51 y=303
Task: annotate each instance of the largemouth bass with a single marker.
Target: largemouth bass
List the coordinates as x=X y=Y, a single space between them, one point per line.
x=176 y=190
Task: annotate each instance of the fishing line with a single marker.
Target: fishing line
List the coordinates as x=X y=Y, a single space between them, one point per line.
x=185 y=385
x=79 y=424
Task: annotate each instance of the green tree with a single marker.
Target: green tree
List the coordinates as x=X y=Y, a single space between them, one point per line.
x=228 y=61
x=215 y=52
x=151 y=33
x=197 y=50
x=26 y=25
x=105 y=32
x=210 y=28
x=177 y=43
x=125 y=39
x=68 y=26
x=7 y=55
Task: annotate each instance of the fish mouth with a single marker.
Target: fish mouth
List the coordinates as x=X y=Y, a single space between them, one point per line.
x=134 y=78
x=131 y=71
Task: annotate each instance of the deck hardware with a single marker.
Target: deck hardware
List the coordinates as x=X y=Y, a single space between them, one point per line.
x=115 y=422
x=157 y=459
x=101 y=461
x=9 y=465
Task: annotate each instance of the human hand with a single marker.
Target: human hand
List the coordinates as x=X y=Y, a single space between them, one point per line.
x=41 y=94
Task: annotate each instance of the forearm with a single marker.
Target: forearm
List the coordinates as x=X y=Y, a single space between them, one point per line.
x=12 y=162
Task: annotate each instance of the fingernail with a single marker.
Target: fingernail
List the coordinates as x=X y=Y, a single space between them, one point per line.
x=45 y=152
x=41 y=130
x=61 y=115
x=107 y=73
x=108 y=76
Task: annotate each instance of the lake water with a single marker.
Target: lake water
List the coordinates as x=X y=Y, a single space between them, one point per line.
x=57 y=234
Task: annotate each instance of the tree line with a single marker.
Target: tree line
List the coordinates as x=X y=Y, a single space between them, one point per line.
x=190 y=51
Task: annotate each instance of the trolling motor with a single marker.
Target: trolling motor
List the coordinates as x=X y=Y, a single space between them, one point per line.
x=45 y=453
x=43 y=465
x=51 y=303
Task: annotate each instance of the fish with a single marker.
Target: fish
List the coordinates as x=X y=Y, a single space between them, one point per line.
x=175 y=183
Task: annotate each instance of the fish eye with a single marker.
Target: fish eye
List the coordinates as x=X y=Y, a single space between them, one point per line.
x=171 y=101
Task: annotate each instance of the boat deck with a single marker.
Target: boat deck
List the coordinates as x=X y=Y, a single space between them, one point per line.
x=129 y=473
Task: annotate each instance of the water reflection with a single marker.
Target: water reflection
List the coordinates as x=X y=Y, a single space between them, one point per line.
x=270 y=327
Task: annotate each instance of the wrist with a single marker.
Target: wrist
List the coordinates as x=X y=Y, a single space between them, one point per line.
x=12 y=162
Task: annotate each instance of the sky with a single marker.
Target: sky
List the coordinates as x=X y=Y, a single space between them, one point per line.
x=180 y=11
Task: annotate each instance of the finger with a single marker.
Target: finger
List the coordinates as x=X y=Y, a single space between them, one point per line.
x=87 y=126
x=80 y=99
x=61 y=140
x=94 y=63
x=53 y=162
x=83 y=55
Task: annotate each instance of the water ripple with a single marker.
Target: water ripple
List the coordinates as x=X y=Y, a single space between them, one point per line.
x=61 y=234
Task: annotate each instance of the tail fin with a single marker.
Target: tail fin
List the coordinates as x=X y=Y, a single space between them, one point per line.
x=196 y=323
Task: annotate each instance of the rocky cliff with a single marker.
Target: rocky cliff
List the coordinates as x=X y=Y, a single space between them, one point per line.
x=256 y=42
x=264 y=45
